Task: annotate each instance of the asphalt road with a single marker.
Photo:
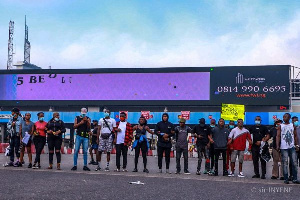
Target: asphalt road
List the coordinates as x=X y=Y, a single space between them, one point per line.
x=24 y=183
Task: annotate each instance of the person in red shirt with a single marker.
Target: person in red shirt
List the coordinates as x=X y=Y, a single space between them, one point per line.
x=238 y=137
x=39 y=139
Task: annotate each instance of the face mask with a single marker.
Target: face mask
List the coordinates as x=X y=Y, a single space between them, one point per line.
x=296 y=123
x=14 y=115
x=41 y=119
x=212 y=125
x=277 y=125
x=56 y=119
x=231 y=126
x=106 y=114
x=257 y=122
x=122 y=118
x=83 y=115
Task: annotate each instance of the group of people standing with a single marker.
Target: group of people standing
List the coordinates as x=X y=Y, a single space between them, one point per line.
x=212 y=141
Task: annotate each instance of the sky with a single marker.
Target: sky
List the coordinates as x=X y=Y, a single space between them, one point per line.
x=153 y=33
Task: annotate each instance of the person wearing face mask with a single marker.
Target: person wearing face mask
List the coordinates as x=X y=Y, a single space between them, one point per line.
x=276 y=173
x=296 y=124
x=260 y=135
x=13 y=128
x=141 y=143
x=39 y=139
x=55 y=129
x=229 y=147
x=212 y=150
x=94 y=145
x=105 y=138
x=201 y=132
x=123 y=141
x=165 y=131
x=82 y=125
x=26 y=129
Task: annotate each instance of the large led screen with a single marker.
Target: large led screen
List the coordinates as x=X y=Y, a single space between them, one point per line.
x=106 y=86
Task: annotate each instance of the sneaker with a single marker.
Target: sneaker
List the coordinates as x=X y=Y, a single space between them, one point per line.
x=187 y=172
x=286 y=181
x=146 y=170
x=50 y=166
x=117 y=170
x=256 y=176
x=30 y=165
x=211 y=173
x=98 y=168
x=159 y=171
x=177 y=172
x=273 y=177
x=135 y=170
x=95 y=163
x=231 y=174
x=107 y=169
x=74 y=168
x=205 y=172
x=168 y=171
x=125 y=170
x=225 y=173
x=91 y=162
x=85 y=168
x=17 y=164
x=23 y=162
x=263 y=176
x=10 y=164
x=241 y=175
x=58 y=166
x=198 y=172
x=34 y=166
x=296 y=182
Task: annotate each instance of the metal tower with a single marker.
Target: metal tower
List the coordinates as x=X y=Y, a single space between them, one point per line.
x=10 y=45
x=26 y=45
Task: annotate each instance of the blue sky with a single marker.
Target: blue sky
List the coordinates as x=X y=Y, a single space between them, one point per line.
x=153 y=33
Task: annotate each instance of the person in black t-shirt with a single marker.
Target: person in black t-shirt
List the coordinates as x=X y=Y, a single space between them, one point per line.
x=260 y=134
x=201 y=132
x=94 y=145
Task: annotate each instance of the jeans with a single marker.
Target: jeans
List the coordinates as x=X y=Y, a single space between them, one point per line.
x=14 y=147
x=217 y=154
x=256 y=157
x=203 y=151
x=179 y=151
x=141 y=146
x=39 y=142
x=285 y=154
x=121 y=149
x=160 y=152
x=85 y=145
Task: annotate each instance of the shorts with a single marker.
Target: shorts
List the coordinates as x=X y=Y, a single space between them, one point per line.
x=105 y=144
x=238 y=153
x=94 y=146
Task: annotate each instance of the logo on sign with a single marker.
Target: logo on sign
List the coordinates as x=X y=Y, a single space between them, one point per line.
x=146 y=114
x=185 y=115
x=240 y=79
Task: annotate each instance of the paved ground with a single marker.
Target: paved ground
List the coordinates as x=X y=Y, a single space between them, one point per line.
x=27 y=183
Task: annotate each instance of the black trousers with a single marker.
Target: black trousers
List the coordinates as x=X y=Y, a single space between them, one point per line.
x=54 y=142
x=160 y=153
x=218 y=152
x=212 y=156
x=121 y=149
x=39 y=143
x=256 y=157
x=140 y=147
x=14 y=147
x=180 y=151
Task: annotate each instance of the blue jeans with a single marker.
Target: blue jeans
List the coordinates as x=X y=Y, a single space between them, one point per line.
x=285 y=154
x=85 y=144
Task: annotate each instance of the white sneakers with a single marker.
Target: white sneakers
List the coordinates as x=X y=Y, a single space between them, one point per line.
x=240 y=175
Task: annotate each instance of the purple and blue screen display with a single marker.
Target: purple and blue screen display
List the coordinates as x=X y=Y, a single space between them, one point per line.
x=106 y=86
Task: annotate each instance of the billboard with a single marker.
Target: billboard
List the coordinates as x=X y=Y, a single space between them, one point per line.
x=184 y=86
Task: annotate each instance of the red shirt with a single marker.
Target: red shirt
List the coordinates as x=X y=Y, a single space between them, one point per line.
x=239 y=138
x=40 y=128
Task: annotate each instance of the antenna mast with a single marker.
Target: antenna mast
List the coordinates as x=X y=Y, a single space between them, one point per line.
x=10 y=45
x=26 y=45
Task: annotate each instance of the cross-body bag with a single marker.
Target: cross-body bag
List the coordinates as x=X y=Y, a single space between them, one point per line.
x=106 y=135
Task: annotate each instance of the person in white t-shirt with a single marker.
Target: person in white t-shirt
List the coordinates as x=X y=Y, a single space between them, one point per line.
x=123 y=141
x=287 y=143
x=105 y=137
